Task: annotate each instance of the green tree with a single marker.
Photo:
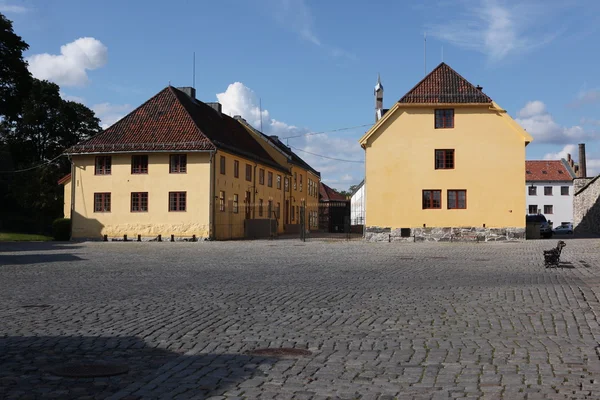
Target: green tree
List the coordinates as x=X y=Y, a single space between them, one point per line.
x=15 y=78
x=45 y=127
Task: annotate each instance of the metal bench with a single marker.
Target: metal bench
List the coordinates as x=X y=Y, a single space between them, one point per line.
x=552 y=256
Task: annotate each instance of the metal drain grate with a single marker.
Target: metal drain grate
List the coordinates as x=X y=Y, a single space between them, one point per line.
x=280 y=352
x=89 y=370
x=36 y=306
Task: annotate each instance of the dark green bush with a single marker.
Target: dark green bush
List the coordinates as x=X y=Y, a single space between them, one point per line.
x=61 y=229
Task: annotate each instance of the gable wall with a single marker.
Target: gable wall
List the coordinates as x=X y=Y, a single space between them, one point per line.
x=489 y=164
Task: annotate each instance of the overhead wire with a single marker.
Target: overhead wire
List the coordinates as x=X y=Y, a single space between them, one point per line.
x=327 y=157
x=330 y=131
x=32 y=168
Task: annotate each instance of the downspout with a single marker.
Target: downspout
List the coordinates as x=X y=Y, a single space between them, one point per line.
x=364 y=200
x=212 y=228
x=73 y=181
x=254 y=186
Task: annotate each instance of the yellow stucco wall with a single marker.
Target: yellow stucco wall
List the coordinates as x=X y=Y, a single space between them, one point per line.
x=158 y=183
x=67 y=200
x=296 y=195
x=489 y=164
x=230 y=225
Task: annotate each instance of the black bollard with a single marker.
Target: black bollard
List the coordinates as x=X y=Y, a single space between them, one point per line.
x=139 y=238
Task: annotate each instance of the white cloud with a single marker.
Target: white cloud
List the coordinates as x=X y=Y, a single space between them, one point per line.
x=592 y=164
x=296 y=16
x=571 y=149
x=495 y=28
x=238 y=99
x=68 y=97
x=71 y=66
x=12 y=9
x=541 y=125
x=110 y=113
x=585 y=97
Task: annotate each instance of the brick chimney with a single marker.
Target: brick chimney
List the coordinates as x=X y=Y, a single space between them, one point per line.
x=582 y=167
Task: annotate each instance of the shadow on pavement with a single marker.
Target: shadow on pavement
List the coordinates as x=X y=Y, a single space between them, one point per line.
x=16 y=247
x=21 y=259
x=27 y=363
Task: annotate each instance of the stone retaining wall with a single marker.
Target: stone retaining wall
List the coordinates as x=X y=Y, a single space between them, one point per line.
x=381 y=234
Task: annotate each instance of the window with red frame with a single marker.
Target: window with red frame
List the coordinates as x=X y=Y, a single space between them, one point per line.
x=101 y=202
x=457 y=199
x=444 y=118
x=236 y=169
x=139 y=164
x=139 y=202
x=444 y=159
x=178 y=163
x=103 y=165
x=177 y=201
x=432 y=199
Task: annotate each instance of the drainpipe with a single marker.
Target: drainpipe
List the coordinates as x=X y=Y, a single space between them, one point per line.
x=254 y=186
x=212 y=228
x=364 y=199
x=73 y=182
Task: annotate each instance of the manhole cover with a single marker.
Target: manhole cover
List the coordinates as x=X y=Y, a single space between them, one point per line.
x=36 y=306
x=90 y=370
x=280 y=352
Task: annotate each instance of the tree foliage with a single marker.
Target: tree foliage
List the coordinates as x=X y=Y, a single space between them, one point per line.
x=14 y=75
x=32 y=138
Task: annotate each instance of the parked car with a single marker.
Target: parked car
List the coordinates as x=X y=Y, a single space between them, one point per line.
x=563 y=229
x=545 y=229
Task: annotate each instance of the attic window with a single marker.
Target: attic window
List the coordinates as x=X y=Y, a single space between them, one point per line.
x=545 y=172
x=528 y=171
x=560 y=172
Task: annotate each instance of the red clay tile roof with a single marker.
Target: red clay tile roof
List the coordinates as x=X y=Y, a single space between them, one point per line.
x=173 y=121
x=551 y=170
x=444 y=85
x=328 y=194
x=161 y=123
x=64 y=179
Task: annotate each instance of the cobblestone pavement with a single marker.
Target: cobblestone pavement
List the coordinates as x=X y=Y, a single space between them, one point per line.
x=382 y=320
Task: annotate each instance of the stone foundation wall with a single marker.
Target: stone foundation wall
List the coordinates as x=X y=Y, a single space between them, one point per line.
x=468 y=234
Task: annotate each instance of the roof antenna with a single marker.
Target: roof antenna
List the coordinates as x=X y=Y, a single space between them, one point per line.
x=442 y=53
x=260 y=108
x=425 y=51
x=194 y=72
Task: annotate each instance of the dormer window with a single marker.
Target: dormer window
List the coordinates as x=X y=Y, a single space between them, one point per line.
x=545 y=172
x=444 y=118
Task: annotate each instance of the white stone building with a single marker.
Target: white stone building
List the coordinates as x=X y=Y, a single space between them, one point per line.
x=357 y=205
x=549 y=189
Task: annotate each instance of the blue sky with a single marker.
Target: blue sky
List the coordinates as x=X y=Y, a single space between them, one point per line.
x=313 y=64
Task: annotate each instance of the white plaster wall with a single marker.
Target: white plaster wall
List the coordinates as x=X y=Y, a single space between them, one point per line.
x=357 y=207
x=563 y=205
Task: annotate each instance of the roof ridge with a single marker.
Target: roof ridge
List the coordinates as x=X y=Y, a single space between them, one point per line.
x=188 y=113
x=469 y=93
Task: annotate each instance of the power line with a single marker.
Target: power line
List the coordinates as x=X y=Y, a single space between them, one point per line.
x=333 y=130
x=32 y=168
x=329 y=158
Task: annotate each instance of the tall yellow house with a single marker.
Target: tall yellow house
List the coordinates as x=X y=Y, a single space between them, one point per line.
x=444 y=163
x=176 y=166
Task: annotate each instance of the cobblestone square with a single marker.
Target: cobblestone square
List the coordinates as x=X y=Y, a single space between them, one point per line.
x=382 y=320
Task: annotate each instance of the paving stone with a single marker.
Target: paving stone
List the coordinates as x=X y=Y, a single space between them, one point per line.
x=382 y=320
